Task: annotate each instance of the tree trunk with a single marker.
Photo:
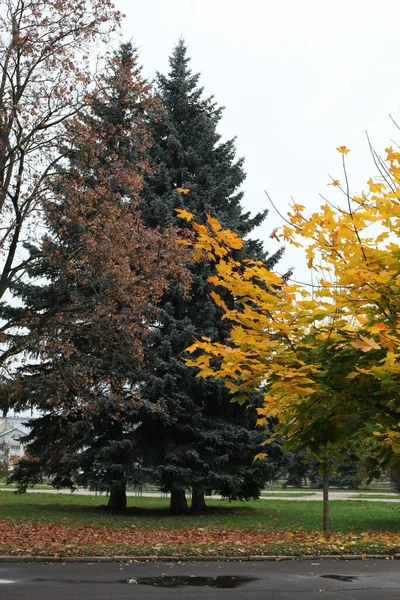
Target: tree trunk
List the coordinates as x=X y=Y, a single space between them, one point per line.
x=325 y=494
x=117 y=499
x=198 y=500
x=178 y=505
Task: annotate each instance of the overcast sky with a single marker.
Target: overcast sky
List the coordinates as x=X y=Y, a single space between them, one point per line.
x=297 y=78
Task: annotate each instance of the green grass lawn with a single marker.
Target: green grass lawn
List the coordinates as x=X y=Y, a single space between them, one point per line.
x=68 y=524
x=150 y=512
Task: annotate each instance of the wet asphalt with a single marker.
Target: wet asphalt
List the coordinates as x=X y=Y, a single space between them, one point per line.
x=286 y=580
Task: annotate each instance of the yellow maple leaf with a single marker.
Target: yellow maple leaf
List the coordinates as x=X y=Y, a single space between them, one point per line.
x=182 y=190
x=352 y=375
x=391 y=155
x=260 y=456
x=207 y=372
x=213 y=279
x=183 y=214
x=232 y=239
x=192 y=348
x=387 y=342
x=375 y=187
x=343 y=150
x=218 y=300
x=231 y=386
x=334 y=182
x=215 y=224
x=365 y=344
x=378 y=327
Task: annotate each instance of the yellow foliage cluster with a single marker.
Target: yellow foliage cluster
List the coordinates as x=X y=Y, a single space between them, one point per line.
x=288 y=338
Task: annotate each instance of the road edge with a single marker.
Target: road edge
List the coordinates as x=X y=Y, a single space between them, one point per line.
x=249 y=558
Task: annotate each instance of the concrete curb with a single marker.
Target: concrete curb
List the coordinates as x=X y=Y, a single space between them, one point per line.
x=130 y=559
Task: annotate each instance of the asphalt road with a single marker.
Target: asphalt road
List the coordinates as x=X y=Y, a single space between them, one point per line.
x=286 y=580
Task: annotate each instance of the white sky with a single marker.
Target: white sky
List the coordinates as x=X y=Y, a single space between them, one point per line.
x=297 y=78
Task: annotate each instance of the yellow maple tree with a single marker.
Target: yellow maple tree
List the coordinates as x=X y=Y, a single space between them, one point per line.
x=354 y=252
x=325 y=356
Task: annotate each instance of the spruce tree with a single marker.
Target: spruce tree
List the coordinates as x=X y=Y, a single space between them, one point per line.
x=102 y=271
x=191 y=432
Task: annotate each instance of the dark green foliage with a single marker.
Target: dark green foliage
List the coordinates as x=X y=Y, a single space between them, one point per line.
x=345 y=472
x=297 y=467
x=84 y=435
x=191 y=432
x=181 y=432
x=80 y=449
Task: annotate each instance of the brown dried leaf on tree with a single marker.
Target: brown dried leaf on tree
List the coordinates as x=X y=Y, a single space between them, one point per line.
x=44 y=79
x=109 y=269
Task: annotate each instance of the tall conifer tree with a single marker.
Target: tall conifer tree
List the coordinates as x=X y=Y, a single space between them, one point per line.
x=102 y=272
x=190 y=431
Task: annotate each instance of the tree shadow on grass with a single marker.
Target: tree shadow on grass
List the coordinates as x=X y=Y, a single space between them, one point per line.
x=92 y=514
x=149 y=512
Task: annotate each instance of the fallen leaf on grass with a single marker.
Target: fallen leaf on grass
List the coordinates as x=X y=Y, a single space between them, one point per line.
x=43 y=538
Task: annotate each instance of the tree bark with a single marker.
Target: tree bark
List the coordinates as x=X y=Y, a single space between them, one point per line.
x=198 y=500
x=325 y=495
x=117 y=499
x=178 y=505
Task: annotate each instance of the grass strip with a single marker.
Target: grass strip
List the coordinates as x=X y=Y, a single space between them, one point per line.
x=72 y=525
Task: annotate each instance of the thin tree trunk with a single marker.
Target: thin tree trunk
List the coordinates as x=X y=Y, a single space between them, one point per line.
x=117 y=499
x=325 y=495
x=198 y=500
x=178 y=505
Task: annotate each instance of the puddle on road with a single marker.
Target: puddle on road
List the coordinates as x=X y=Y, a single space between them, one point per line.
x=222 y=581
x=6 y=581
x=345 y=578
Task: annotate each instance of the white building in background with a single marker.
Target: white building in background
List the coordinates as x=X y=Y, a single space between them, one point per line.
x=11 y=430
